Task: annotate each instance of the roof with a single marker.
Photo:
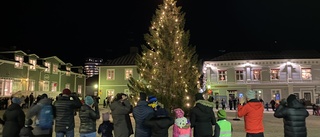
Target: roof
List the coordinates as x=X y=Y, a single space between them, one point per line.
x=261 y=55
x=129 y=59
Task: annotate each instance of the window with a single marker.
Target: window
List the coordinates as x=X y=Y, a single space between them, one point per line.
x=31 y=85
x=128 y=73
x=79 y=89
x=45 y=86
x=55 y=69
x=48 y=65
x=222 y=75
x=256 y=74
x=33 y=63
x=54 y=86
x=239 y=74
x=110 y=74
x=19 y=63
x=306 y=74
x=274 y=74
x=6 y=87
x=17 y=85
x=67 y=86
x=276 y=95
x=110 y=92
x=68 y=73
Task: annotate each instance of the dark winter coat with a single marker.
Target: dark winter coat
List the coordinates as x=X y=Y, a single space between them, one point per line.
x=294 y=118
x=65 y=113
x=14 y=119
x=105 y=129
x=35 y=111
x=120 y=111
x=159 y=125
x=202 y=118
x=140 y=113
x=88 y=118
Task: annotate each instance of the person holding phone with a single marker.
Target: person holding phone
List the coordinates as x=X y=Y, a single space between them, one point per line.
x=252 y=112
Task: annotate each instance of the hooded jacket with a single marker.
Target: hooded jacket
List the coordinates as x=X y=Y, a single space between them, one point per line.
x=159 y=125
x=202 y=118
x=14 y=119
x=140 y=112
x=294 y=118
x=252 y=112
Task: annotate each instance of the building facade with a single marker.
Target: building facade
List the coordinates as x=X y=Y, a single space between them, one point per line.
x=91 y=68
x=273 y=75
x=22 y=73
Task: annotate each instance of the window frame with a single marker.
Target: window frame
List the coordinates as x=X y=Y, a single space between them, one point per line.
x=112 y=75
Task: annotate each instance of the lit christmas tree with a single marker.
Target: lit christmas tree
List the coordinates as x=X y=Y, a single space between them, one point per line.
x=168 y=65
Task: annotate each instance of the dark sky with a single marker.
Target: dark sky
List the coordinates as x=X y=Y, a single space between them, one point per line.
x=76 y=29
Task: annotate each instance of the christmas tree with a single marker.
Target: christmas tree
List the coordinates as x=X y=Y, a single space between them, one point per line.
x=168 y=65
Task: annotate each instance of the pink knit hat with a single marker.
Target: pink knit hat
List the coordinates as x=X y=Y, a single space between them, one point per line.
x=179 y=112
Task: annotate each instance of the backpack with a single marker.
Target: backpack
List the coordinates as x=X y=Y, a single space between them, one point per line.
x=45 y=117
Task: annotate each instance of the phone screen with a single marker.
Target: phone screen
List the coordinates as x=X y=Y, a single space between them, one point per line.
x=240 y=95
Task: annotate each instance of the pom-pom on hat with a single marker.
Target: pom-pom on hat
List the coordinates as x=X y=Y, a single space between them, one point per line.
x=179 y=112
x=16 y=100
x=106 y=116
x=291 y=97
x=143 y=96
x=66 y=91
x=251 y=94
x=88 y=100
x=222 y=113
x=199 y=96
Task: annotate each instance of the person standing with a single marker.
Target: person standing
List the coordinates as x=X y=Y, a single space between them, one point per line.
x=160 y=122
x=273 y=105
x=140 y=113
x=31 y=99
x=14 y=119
x=252 y=112
x=88 y=117
x=223 y=128
x=106 y=127
x=294 y=116
x=120 y=109
x=230 y=103
x=64 y=106
x=35 y=111
x=202 y=117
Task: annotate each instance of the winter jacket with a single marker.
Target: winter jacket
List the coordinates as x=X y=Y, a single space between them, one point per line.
x=35 y=111
x=65 y=107
x=202 y=118
x=252 y=112
x=223 y=128
x=120 y=111
x=14 y=119
x=88 y=118
x=140 y=112
x=105 y=129
x=159 y=125
x=294 y=118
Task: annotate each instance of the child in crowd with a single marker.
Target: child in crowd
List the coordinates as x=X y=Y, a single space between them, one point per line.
x=223 y=126
x=106 y=127
x=181 y=126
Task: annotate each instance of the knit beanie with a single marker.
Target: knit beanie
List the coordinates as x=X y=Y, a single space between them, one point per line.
x=291 y=97
x=106 y=116
x=179 y=112
x=152 y=99
x=143 y=96
x=199 y=96
x=251 y=94
x=88 y=100
x=16 y=100
x=222 y=114
x=66 y=91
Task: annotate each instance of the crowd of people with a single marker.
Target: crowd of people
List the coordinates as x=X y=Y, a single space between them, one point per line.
x=152 y=119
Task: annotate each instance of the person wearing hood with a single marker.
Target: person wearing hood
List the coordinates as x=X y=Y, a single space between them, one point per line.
x=35 y=111
x=294 y=116
x=202 y=117
x=159 y=122
x=13 y=118
x=252 y=112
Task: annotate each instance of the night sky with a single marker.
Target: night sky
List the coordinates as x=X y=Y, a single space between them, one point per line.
x=75 y=29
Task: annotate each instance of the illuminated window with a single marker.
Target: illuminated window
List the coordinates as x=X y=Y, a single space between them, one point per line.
x=33 y=63
x=54 y=86
x=239 y=74
x=110 y=74
x=45 y=86
x=55 y=69
x=110 y=93
x=6 y=87
x=48 y=65
x=274 y=74
x=79 y=89
x=128 y=73
x=68 y=73
x=31 y=85
x=19 y=63
x=306 y=74
x=67 y=86
x=256 y=74
x=222 y=75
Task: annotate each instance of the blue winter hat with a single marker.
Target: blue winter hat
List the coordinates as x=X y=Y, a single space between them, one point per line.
x=88 y=100
x=152 y=99
x=16 y=100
